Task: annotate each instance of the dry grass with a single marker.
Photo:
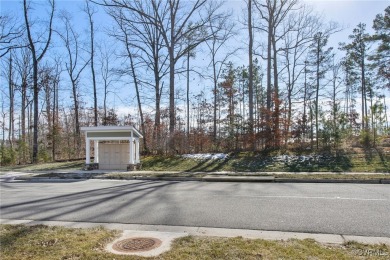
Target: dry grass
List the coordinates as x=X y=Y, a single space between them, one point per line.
x=76 y=165
x=42 y=242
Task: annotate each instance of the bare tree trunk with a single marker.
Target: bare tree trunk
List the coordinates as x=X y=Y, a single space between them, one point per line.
x=11 y=103
x=90 y=13
x=269 y=69
x=55 y=118
x=95 y=108
x=364 y=94
x=36 y=59
x=74 y=69
x=157 y=116
x=386 y=118
x=311 y=126
x=76 y=114
x=305 y=103
x=188 y=94
x=23 y=114
x=48 y=110
x=250 y=84
x=135 y=79
x=276 y=94
x=269 y=87
x=35 y=112
x=215 y=83
x=334 y=104
x=2 y=128
x=138 y=101
x=171 y=93
x=105 y=102
x=317 y=90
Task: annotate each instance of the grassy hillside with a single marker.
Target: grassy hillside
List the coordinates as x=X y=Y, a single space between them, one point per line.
x=355 y=161
x=242 y=162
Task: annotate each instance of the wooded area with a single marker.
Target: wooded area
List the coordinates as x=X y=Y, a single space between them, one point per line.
x=294 y=92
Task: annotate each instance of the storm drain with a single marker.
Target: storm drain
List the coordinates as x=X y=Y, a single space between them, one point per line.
x=137 y=244
x=143 y=243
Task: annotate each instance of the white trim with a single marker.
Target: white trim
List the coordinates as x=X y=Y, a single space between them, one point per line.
x=106 y=128
x=138 y=133
x=109 y=138
x=111 y=129
x=137 y=151
x=131 y=151
x=96 y=151
x=87 y=151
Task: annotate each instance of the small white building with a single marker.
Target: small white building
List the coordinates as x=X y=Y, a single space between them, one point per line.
x=115 y=147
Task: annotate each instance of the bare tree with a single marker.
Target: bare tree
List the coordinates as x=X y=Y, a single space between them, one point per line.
x=10 y=32
x=90 y=12
x=221 y=31
x=23 y=68
x=74 y=66
x=11 y=93
x=124 y=36
x=303 y=24
x=146 y=40
x=107 y=74
x=55 y=131
x=173 y=20
x=38 y=51
x=273 y=13
x=250 y=70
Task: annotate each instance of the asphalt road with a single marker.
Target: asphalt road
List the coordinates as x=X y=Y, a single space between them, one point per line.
x=346 y=209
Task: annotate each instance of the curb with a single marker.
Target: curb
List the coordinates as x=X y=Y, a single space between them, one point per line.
x=239 y=179
x=291 y=180
x=209 y=179
x=162 y=178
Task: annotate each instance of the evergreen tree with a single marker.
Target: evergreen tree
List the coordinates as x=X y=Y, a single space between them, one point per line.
x=381 y=57
x=357 y=55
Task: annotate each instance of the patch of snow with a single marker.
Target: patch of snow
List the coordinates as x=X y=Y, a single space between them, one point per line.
x=206 y=156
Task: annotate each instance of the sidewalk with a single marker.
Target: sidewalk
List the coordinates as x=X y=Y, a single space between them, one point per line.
x=279 y=177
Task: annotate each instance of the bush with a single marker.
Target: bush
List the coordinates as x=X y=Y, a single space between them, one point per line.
x=43 y=154
x=7 y=156
x=366 y=138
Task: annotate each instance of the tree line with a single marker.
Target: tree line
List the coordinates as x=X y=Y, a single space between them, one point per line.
x=294 y=91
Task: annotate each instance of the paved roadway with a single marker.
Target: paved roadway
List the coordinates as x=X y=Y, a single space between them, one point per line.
x=346 y=209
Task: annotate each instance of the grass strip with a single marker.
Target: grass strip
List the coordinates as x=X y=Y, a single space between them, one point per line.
x=42 y=242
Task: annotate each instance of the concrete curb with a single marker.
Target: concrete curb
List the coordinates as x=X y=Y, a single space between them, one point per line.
x=206 y=231
x=293 y=180
x=239 y=178
x=207 y=179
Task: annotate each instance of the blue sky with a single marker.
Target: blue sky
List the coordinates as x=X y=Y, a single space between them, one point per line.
x=346 y=13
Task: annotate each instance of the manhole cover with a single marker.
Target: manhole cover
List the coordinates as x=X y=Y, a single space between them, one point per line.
x=137 y=244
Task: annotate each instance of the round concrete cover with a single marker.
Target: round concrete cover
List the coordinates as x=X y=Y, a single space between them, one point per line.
x=143 y=243
x=137 y=244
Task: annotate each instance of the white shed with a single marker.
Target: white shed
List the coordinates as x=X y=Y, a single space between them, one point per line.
x=115 y=147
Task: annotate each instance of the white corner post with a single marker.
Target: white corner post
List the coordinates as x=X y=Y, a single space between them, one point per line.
x=137 y=150
x=87 y=149
x=96 y=151
x=131 y=154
